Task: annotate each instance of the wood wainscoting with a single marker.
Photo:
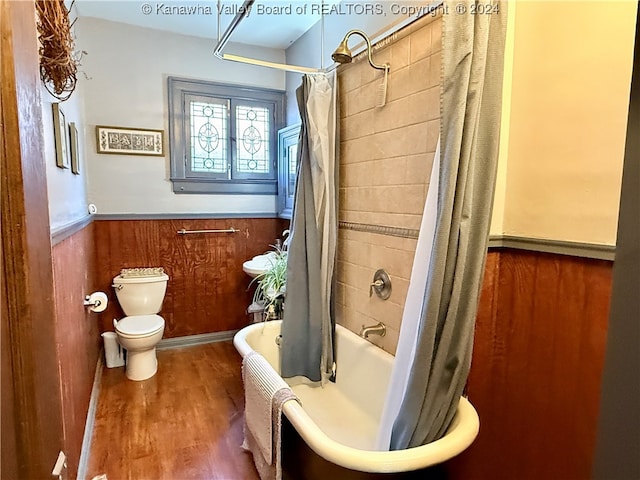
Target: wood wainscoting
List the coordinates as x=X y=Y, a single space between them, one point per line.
x=537 y=365
x=77 y=335
x=207 y=291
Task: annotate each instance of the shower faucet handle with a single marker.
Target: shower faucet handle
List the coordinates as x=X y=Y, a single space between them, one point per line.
x=381 y=285
x=376 y=287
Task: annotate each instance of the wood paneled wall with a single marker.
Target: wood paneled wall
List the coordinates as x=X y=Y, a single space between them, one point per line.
x=537 y=365
x=207 y=290
x=77 y=335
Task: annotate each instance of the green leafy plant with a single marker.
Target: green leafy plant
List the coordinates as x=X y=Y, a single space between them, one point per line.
x=272 y=284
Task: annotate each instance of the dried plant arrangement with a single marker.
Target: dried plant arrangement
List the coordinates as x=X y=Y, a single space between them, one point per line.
x=58 y=63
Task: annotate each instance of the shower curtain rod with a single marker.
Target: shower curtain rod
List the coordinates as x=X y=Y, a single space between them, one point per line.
x=222 y=42
x=244 y=12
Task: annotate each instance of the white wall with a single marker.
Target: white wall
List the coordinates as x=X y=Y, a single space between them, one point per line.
x=568 y=117
x=67 y=192
x=127 y=69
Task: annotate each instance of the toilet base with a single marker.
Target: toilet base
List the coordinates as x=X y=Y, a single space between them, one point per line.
x=141 y=365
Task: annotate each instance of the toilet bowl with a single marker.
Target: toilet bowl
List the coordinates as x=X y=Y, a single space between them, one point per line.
x=139 y=336
x=140 y=292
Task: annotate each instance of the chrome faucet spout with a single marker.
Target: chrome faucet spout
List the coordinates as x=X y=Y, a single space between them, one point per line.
x=378 y=329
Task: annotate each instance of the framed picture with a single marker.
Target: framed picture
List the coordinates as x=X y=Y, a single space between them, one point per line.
x=73 y=137
x=60 y=134
x=129 y=141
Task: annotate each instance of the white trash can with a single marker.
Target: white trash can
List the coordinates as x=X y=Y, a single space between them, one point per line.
x=113 y=352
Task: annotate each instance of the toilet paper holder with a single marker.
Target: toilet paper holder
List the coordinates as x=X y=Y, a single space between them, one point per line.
x=89 y=302
x=96 y=302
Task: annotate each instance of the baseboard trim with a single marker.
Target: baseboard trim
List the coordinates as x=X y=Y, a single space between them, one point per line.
x=85 y=452
x=192 y=340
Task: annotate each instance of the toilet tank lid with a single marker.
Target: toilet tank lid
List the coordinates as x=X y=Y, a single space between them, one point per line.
x=140 y=324
x=141 y=279
x=141 y=271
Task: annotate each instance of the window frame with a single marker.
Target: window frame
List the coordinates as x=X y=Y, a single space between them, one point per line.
x=186 y=181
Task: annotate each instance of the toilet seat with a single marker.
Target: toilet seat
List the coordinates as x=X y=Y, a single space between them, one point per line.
x=139 y=325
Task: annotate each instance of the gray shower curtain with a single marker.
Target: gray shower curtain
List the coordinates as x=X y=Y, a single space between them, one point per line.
x=308 y=324
x=472 y=63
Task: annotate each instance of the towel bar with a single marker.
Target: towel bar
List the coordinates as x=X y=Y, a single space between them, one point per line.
x=187 y=232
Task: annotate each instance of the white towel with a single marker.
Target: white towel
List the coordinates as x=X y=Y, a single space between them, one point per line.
x=265 y=470
x=265 y=393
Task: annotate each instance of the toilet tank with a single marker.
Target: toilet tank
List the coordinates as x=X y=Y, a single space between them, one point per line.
x=141 y=291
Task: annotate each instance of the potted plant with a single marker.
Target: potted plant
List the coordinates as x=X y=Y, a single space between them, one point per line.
x=272 y=285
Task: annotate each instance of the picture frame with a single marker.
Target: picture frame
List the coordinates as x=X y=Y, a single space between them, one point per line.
x=75 y=159
x=129 y=141
x=60 y=135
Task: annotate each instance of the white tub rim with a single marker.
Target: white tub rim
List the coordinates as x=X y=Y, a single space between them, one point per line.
x=462 y=432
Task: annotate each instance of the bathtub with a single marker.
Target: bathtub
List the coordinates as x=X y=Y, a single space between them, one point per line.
x=339 y=421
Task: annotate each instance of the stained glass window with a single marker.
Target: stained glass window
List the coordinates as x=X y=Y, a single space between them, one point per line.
x=208 y=137
x=223 y=137
x=253 y=148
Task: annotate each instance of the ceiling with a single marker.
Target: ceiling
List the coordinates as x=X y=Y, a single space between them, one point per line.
x=274 y=24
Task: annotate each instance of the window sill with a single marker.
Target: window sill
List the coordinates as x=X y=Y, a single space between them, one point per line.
x=226 y=187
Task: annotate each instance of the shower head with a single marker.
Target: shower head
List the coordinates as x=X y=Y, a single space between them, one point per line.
x=342 y=54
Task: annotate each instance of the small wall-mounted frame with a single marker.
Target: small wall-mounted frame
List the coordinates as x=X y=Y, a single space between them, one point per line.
x=75 y=159
x=60 y=134
x=129 y=141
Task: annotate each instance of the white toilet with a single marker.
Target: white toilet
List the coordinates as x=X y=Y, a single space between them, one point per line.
x=140 y=292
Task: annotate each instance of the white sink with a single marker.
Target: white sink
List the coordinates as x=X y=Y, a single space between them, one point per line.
x=259 y=264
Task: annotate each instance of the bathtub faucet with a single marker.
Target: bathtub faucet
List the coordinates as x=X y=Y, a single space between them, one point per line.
x=378 y=329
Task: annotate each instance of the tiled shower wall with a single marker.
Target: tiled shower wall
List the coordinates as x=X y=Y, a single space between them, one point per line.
x=385 y=164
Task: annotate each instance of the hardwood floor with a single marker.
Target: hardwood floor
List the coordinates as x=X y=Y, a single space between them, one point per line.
x=184 y=423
